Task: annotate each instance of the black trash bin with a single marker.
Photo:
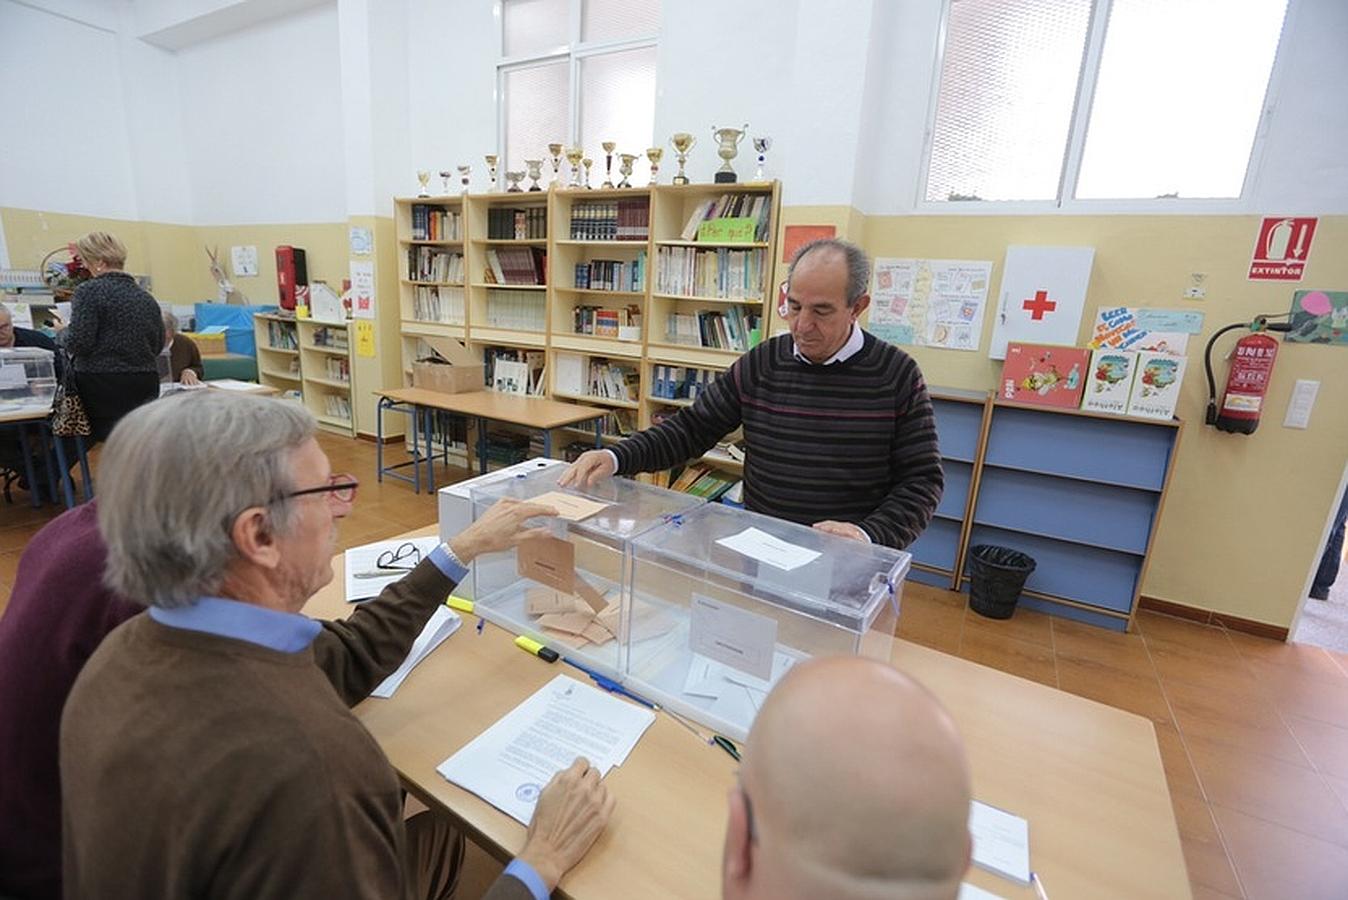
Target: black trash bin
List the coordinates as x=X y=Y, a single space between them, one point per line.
x=998 y=575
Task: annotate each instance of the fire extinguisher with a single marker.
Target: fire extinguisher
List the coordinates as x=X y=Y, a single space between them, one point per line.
x=1248 y=381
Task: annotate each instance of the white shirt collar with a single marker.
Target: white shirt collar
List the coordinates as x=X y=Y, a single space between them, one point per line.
x=855 y=340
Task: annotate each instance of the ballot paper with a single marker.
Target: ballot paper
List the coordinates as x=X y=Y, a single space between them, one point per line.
x=364 y=579
x=443 y=622
x=1001 y=842
x=757 y=544
x=509 y=764
x=569 y=506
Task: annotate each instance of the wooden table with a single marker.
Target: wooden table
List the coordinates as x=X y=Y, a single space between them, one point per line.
x=422 y=405
x=42 y=419
x=1088 y=777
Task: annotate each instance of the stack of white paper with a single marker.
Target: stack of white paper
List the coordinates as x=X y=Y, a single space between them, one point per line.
x=974 y=892
x=509 y=764
x=364 y=578
x=1001 y=842
x=443 y=622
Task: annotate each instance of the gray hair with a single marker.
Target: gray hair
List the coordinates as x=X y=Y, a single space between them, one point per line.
x=174 y=476
x=858 y=265
x=170 y=323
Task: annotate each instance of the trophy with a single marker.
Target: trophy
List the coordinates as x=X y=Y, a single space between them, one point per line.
x=762 y=145
x=682 y=142
x=556 y=151
x=514 y=178
x=465 y=172
x=609 y=147
x=625 y=169
x=587 y=162
x=573 y=158
x=425 y=178
x=653 y=154
x=729 y=139
x=535 y=167
x=491 y=170
x=444 y=177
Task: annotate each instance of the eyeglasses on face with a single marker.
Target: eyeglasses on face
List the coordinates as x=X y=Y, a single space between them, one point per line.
x=404 y=558
x=341 y=487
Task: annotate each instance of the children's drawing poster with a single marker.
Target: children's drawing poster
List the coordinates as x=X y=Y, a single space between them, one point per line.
x=1141 y=328
x=1319 y=317
x=930 y=302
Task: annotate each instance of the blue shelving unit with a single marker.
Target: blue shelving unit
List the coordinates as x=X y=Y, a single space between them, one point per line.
x=960 y=417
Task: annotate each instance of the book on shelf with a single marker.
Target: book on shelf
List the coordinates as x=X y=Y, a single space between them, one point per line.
x=733 y=329
x=517 y=224
x=436 y=223
x=680 y=382
x=514 y=371
x=611 y=220
x=612 y=274
x=438 y=304
x=601 y=321
x=282 y=336
x=1156 y=385
x=612 y=381
x=337 y=368
x=430 y=264
x=517 y=310
x=337 y=406
x=712 y=272
x=331 y=338
x=1044 y=374
x=756 y=207
x=1111 y=380
x=517 y=265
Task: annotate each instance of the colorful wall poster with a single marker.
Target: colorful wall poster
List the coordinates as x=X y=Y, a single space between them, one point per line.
x=796 y=236
x=364 y=339
x=362 y=289
x=1140 y=328
x=1319 y=317
x=1045 y=375
x=1110 y=381
x=929 y=302
x=1156 y=385
x=1043 y=296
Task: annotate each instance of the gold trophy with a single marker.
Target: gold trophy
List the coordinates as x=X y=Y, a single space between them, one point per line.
x=587 y=162
x=729 y=139
x=425 y=178
x=556 y=151
x=573 y=157
x=626 y=169
x=491 y=170
x=682 y=142
x=535 y=167
x=653 y=154
x=609 y=147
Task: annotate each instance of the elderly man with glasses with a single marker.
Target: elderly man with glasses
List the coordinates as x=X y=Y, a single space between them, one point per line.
x=838 y=425
x=207 y=749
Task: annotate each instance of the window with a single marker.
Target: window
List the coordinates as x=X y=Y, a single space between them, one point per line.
x=578 y=71
x=1059 y=100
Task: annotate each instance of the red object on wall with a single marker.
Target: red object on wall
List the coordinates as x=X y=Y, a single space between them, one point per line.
x=1247 y=383
x=291 y=272
x=1281 y=249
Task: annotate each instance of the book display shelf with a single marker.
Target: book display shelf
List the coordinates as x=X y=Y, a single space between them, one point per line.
x=311 y=361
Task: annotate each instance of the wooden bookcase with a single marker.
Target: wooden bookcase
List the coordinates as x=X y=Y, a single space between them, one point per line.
x=326 y=365
x=278 y=352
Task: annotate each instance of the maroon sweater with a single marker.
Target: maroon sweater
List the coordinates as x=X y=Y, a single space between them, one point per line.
x=57 y=616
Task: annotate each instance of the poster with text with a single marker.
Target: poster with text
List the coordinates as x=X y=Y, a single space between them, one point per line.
x=362 y=289
x=1043 y=296
x=1140 y=328
x=930 y=302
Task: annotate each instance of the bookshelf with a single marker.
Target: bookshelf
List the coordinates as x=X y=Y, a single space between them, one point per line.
x=326 y=366
x=278 y=354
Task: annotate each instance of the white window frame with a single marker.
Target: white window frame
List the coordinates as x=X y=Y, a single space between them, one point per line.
x=575 y=51
x=1067 y=202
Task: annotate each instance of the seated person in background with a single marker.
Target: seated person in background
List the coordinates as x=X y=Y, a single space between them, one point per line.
x=846 y=799
x=838 y=425
x=206 y=748
x=184 y=355
x=11 y=449
x=12 y=335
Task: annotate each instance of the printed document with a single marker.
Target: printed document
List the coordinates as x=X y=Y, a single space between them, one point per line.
x=765 y=548
x=1001 y=842
x=443 y=622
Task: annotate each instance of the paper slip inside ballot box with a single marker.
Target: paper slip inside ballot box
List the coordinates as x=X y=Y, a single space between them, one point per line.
x=569 y=506
x=443 y=622
x=509 y=764
x=1001 y=842
x=765 y=548
x=364 y=578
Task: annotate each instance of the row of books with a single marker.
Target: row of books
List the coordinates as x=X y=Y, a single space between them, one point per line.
x=333 y=338
x=1118 y=382
x=757 y=207
x=620 y=220
x=529 y=223
x=613 y=381
x=680 y=382
x=733 y=329
x=517 y=265
x=438 y=304
x=281 y=336
x=518 y=310
x=601 y=321
x=722 y=273
x=619 y=422
x=435 y=223
x=337 y=368
x=705 y=481
x=511 y=370
x=429 y=264
x=612 y=274
x=338 y=406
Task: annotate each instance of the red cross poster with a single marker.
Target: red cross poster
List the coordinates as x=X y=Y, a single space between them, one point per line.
x=1281 y=249
x=1043 y=296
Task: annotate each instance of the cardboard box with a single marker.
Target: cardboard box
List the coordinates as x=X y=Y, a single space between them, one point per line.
x=446 y=378
x=208 y=344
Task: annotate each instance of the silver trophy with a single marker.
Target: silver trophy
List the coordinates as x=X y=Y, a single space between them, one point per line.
x=535 y=167
x=491 y=170
x=444 y=177
x=625 y=169
x=465 y=174
x=514 y=178
x=729 y=140
x=762 y=145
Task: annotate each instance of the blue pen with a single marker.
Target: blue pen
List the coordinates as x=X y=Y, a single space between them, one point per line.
x=608 y=684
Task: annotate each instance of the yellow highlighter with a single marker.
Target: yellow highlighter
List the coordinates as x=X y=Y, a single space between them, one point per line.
x=529 y=645
x=460 y=604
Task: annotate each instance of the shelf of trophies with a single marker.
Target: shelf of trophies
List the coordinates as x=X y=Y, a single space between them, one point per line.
x=278 y=354
x=326 y=366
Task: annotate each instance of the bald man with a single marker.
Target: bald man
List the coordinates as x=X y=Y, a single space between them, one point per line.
x=849 y=800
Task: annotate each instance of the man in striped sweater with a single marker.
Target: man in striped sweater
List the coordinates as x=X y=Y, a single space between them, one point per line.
x=837 y=424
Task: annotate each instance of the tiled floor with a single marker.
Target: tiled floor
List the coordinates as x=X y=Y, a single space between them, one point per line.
x=1253 y=733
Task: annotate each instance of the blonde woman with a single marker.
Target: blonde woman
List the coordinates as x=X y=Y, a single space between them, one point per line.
x=114 y=337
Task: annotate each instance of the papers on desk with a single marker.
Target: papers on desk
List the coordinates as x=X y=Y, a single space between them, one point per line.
x=509 y=764
x=443 y=622
x=974 y=892
x=757 y=544
x=1001 y=842
x=364 y=578
x=234 y=384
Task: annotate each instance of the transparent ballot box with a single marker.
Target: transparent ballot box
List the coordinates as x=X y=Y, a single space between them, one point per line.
x=566 y=590
x=723 y=602
x=27 y=379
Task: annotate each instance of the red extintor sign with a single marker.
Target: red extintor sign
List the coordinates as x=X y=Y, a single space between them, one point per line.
x=1282 y=247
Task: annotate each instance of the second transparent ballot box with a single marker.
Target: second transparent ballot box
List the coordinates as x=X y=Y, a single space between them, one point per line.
x=566 y=589
x=27 y=379
x=722 y=602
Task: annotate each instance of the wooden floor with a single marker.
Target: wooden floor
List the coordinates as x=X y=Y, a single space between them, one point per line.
x=1253 y=733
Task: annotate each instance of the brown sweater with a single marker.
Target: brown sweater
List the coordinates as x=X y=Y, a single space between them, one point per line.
x=200 y=766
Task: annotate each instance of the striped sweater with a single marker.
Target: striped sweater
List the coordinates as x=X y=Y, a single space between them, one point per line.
x=854 y=441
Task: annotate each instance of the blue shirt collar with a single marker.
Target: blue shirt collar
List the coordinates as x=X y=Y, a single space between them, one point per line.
x=850 y=348
x=270 y=628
